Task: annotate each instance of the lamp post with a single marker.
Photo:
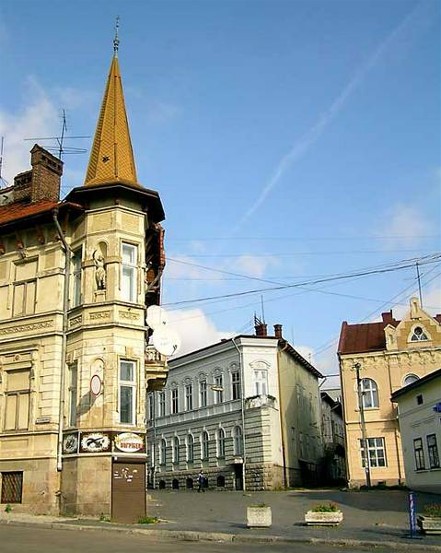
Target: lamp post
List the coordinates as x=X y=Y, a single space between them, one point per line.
x=367 y=468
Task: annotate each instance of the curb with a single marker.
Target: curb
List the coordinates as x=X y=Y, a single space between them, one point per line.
x=192 y=536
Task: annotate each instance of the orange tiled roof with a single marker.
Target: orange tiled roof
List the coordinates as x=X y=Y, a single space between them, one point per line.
x=18 y=211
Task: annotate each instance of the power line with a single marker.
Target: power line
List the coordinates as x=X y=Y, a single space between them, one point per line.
x=404 y=264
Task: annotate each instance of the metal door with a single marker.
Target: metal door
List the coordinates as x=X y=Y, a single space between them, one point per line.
x=128 y=491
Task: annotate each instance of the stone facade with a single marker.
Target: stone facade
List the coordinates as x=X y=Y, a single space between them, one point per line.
x=245 y=411
x=76 y=278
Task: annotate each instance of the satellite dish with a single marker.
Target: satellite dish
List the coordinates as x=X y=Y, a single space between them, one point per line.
x=156 y=317
x=166 y=341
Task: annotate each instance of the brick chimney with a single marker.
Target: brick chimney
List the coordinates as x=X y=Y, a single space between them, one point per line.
x=278 y=331
x=387 y=317
x=43 y=181
x=261 y=329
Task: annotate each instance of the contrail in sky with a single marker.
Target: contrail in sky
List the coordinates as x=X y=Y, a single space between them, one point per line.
x=313 y=134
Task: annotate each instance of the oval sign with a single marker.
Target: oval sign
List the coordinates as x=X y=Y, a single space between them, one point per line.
x=95 y=385
x=129 y=442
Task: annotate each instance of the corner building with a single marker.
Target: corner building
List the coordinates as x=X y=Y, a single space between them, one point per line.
x=76 y=277
x=245 y=410
x=389 y=354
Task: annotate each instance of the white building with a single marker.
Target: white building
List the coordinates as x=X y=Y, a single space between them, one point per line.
x=244 y=409
x=419 y=416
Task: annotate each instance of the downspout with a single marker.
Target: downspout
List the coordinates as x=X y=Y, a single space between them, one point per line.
x=242 y=412
x=282 y=426
x=64 y=340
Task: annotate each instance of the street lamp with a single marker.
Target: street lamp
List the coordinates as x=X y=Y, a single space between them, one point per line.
x=367 y=468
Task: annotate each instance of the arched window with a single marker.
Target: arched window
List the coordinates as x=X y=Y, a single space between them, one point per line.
x=369 y=393
x=410 y=379
x=204 y=445
x=237 y=441
x=418 y=335
x=221 y=442
x=175 y=449
x=220 y=482
x=190 y=449
x=163 y=452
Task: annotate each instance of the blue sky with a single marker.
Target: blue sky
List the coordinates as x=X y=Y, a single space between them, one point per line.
x=290 y=141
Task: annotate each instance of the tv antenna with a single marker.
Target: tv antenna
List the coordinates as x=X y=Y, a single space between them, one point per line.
x=3 y=182
x=60 y=149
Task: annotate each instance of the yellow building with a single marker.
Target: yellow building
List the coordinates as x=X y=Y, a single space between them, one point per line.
x=76 y=277
x=376 y=359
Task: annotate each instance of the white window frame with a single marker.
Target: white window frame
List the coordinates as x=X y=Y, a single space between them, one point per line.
x=369 y=393
x=205 y=445
x=130 y=385
x=376 y=452
x=176 y=446
x=203 y=387
x=237 y=441
x=163 y=451
x=77 y=260
x=221 y=443
x=418 y=452
x=219 y=393
x=73 y=394
x=236 y=385
x=161 y=403
x=129 y=272
x=261 y=382
x=189 y=396
x=190 y=448
x=174 y=400
x=432 y=449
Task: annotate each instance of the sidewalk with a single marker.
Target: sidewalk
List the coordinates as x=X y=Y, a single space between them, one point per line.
x=370 y=518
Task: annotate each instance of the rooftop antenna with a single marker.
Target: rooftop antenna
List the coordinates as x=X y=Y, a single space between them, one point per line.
x=60 y=149
x=116 y=38
x=2 y=180
x=261 y=307
x=419 y=284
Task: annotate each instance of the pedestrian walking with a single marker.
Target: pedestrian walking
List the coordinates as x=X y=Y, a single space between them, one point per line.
x=201 y=481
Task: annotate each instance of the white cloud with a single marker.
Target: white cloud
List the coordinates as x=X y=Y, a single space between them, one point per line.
x=195 y=330
x=405 y=226
x=38 y=118
x=253 y=266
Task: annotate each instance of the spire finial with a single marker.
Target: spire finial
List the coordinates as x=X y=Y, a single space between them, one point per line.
x=116 y=39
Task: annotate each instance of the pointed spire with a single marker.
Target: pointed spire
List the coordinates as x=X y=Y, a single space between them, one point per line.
x=111 y=158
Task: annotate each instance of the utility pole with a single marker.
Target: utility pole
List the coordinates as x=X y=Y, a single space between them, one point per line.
x=367 y=468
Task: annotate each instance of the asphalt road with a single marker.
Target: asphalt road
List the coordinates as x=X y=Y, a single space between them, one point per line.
x=23 y=539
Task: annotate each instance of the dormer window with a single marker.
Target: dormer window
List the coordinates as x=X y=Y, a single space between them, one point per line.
x=418 y=335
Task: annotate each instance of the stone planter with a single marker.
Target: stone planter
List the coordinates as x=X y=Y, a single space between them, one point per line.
x=313 y=518
x=259 y=516
x=429 y=525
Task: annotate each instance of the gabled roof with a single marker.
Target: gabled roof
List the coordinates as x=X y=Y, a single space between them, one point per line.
x=367 y=337
x=362 y=338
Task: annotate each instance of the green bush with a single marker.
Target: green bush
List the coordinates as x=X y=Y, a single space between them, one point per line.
x=147 y=520
x=432 y=510
x=325 y=508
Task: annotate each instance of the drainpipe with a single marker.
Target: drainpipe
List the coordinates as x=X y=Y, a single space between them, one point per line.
x=67 y=251
x=282 y=426
x=242 y=412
